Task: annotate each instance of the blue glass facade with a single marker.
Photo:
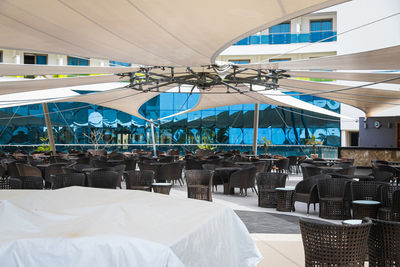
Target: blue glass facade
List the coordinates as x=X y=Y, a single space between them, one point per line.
x=74 y=61
x=223 y=125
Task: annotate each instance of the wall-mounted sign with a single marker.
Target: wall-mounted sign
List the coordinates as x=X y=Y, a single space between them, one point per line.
x=377 y=124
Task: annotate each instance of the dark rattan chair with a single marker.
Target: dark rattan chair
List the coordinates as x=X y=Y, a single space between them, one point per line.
x=243 y=179
x=55 y=168
x=384 y=244
x=171 y=172
x=28 y=170
x=31 y=182
x=130 y=164
x=282 y=165
x=293 y=167
x=62 y=180
x=309 y=170
x=10 y=183
x=199 y=183
x=328 y=244
x=334 y=198
x=102 y=179
x=193 y=164
x=139 y=180
x=306 y=191
x=266 y=183
x=145 y=165
x=395 y=213
x=365 y=190
x=386 y=199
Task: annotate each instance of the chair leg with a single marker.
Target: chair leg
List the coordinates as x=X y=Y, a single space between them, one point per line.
x=314 y=206
x=255 y=189
x=245 y=192
x=308 y=208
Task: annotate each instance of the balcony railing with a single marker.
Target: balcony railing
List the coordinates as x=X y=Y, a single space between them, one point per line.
x=289 y=38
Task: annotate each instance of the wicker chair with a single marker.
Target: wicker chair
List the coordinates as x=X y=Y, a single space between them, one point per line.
x=243 y=179
x=328 y=244
x=2 y=171
x=309 y=170
x=10 y=183
x=171 y=172
x=306 y=191
x=384 y=244
x=167 y=159
x=28 y=170
x=395 y=213
x=145 y=165
x=103 y=179
x=31 y=182
x=386 y=199
x=282 y=165
x=217 y=179
x=62 y=180
x=199 y=183
x=293 y=164
x=12 y=169
x=334 y=198
x=130 y=164
x=139 y=180
x=193 y=164
x=120 y=169
x=365 y=190
x=55 y=168
x=266 y=183
x=260 y=165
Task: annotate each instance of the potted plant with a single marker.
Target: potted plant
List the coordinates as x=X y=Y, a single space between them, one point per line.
x=266 y=144
x=313 y=141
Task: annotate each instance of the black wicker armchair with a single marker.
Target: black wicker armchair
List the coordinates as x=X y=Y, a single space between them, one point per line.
x=10 y=183
x=243 y=179
x=328 y=244
x=171 y=172
x=199 y=183
x=139 y=180
x=102 y=179
x=386 y=199
x=62 y=180
x=334 y=198
x=384 y=244
x=266 y=183
x=28 y=170
x=309 y=170
x=306 y=191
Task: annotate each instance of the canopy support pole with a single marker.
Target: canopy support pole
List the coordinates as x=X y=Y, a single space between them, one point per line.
x=153 y=139
x=255 y=128
x=49 y=129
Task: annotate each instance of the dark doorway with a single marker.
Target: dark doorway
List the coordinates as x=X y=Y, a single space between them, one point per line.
x=354 y=138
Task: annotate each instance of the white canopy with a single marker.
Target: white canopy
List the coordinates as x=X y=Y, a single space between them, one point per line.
x=158 y=32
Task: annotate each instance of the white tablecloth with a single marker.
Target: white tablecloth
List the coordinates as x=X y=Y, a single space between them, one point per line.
x=79 y=226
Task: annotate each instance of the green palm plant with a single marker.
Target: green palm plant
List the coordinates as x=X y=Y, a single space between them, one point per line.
x=266 y=144
x=313 y=141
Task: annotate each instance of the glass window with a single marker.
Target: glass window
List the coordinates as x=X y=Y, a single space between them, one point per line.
x=240 y=61
x=280 y=34
x=118 y=63
x=1 y=56
x=321 y=30
x=74 y=61
x=35 y=59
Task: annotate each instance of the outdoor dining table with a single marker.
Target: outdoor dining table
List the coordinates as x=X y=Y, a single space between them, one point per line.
x=81 y=226
x=225 y=173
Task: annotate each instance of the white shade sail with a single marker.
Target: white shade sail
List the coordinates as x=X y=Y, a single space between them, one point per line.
x=163 y=33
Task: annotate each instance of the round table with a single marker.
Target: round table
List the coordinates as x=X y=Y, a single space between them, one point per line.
x=284 y=198
x=224 y=173
x=365 y=208
x=162 y=188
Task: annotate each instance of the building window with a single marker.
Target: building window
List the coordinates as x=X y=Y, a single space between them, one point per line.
x=118 y=63
x=321 y=30
x=35 y=59
x=240 y=61
x=1 y=56
x=75 y=61
x=279 y=59
x=280 y=34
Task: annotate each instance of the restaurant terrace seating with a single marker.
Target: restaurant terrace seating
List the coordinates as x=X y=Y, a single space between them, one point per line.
x=171 y=172
x=139 y=180
x=334 y=198
x=266 y=184
x=243 y=179
x=384 y=244
x=386 y=199
x=62 y=180
x=102 y=179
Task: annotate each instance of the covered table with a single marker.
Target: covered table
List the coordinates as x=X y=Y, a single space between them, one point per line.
x=78 y=226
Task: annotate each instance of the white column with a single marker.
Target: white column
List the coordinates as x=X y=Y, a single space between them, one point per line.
x=255 y=128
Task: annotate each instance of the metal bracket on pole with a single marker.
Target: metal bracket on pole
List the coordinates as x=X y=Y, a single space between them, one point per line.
x=153 y=139
x=49 y=128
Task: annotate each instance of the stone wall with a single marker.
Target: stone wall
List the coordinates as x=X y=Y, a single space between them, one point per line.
x=363 y=156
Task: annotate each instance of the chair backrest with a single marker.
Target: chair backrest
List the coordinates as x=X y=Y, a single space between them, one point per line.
x=103 y=179
x=306 y=185
x=333 y=187
x=199 y=177
x=130 y=164
x=31 y=182
x=2 y=171
x=283 y=164
x=55 y=168
x=309 y=170
x=28 y=170
x=209 y=166
x=260 y=165
x=386 y=194
x=10 y=183
x=61 y=180
x=167 y=159
x=364 y=190
x=396 y=206
x=171 y=171
x=328 y=244
x=193 y=164
x=379 y=161
x=12 y=169
x=384 y=243
x=139 y=178
x=292 y=160
x=271 y=180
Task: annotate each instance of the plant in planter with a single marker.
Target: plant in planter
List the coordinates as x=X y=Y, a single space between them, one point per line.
x=45 y=147
x=97 y=137
x=313 y=141
x=266 y=144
